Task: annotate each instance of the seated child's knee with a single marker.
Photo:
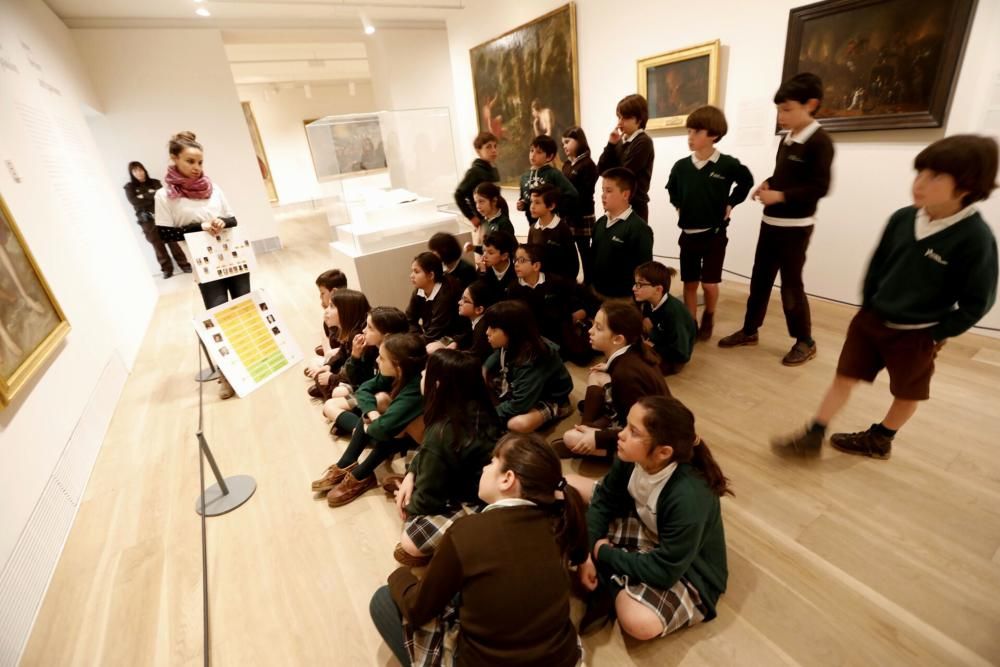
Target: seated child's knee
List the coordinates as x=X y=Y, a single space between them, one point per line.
x=519 y=424
x=340 y=391
x=636 y=620
x=408 y=545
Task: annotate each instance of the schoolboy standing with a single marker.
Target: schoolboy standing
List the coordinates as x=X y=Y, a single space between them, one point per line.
x=801 y=178
x=541 y=153
x=629 y=146
x=622 y=239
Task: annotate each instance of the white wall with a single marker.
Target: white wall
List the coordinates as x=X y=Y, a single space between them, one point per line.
x=872 y=171
x=153 y=83
x=68 y=212
x=279 y=119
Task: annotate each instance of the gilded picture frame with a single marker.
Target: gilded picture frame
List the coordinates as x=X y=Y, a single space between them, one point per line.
x=526 y=83
x=258 y=149
x=678 y=82
x=31 y=321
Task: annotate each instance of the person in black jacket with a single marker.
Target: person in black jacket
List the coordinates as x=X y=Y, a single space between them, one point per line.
x=483 y=169
x=446 y=247
x=629 y=146
x=476 y=298
x=581 y=171
x=432 y=311
x=140 y=190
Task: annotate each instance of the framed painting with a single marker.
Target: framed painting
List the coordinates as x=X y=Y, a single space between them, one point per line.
x=346 y=145
x=885 y=64
x=258 y=149
x=678 y=82
x=31 y=321
x=526 y=83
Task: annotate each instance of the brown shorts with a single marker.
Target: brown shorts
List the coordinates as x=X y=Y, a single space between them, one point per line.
x=908 y=355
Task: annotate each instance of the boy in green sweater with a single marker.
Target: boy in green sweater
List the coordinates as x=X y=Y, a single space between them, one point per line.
x=622 y=240
x=540 y=156
x=702 y=190
x=933 y=275
x=667 y=325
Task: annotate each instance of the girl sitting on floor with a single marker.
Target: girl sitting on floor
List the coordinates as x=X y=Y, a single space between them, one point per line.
x=476 y=298
x=432 y=311
x=629 y=372
x=530 y=383
x=460 y=430
x=506 y=565
x=658 y=550
x=391 y=408
x=345 y=317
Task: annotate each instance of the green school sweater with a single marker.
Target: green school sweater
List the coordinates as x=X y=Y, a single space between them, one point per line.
x=541 y=379
x=447 y=474
x=617 y=251
x=674 y=330
x=549 y=175
x=701 y=195
x=949 y=277
x=501 y=223
x=480 y=171
x=407 y=406
x=692 y=542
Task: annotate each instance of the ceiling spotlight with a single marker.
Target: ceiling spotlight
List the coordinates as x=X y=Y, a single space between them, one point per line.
x=201 y=11
x=197 y=2
x=369 y=30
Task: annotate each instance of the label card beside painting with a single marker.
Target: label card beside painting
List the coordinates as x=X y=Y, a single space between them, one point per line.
x=221 y=255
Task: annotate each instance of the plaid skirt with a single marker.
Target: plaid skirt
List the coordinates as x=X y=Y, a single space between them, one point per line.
x=678 y=606
x=426 y=530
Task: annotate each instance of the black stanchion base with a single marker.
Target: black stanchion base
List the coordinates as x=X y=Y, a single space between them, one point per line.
x=207 y=375
x=241 y=487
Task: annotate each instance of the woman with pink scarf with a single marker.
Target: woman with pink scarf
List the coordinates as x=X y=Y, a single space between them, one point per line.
x=190 y=202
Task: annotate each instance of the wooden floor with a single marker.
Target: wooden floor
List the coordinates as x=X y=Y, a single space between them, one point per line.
x=845 y=561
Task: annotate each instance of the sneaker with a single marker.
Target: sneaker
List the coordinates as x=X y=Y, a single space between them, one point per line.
x=739 y=338
x=404 y=557
x=800 y=444
x=707 y=323
x=800 y=353
x=599 y=611
x=349 y=490
x=333 y=476
x=870 y=443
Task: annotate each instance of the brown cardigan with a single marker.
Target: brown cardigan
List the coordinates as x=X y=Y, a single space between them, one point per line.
x=514 y=586
x=631 y=379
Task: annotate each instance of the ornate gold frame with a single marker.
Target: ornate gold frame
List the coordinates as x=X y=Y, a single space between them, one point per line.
x=258 y=143
x=710 y=49
x=10 y=386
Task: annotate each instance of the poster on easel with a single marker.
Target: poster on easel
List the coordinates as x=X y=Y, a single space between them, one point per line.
x=247 y=339
x=220 y=255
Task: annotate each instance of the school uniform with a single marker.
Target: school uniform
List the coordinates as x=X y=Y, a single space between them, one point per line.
x=474 y=340
x=927 y=281
x=549 y=175
x=463 y=272
x=481 y=171
x=635 y=153
x=631 y=379
x=802 y=173
x=701 y=190
x=620 y=244
x=673 y=334
x=499 y=281
x=498 y=223
x=435 y=315
x=669 y=550
x=541 y=383
x=582 y=173
x=559 y=250
x=514 y=601
x=552 y=300
x=357 y=371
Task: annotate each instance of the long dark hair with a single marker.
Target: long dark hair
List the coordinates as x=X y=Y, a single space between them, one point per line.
x=389 y=320
x=625 y=320
x=576 y=132
x=454 y=393
x=515 y=319
x=132 y=179
x=669 y=422
x=352 y=311
x=540 y=475
x=409 y=355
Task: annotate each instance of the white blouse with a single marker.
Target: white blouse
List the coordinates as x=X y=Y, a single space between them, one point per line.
x=184 y=211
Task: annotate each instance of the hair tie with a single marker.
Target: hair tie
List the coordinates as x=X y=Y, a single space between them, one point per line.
x=561 y=484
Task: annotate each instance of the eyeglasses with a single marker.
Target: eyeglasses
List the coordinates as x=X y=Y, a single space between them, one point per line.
x=637 y=284
x=523 y=260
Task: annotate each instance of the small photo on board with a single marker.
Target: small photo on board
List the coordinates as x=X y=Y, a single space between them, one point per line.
x=270 y=319
x=209 y=249
x=223 y=351
x=275 y=330
x=209 y=324
x=263 y=305
x=235 y=254
x=217 y=338
x=225 y=246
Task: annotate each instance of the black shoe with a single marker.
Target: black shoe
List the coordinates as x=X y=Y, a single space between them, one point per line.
x=871 y=443
x=167 y=274
x=600 y=610
x=800 y=444
x=187 y=269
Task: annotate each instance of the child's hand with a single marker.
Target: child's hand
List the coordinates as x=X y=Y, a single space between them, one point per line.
x=404 y=493
x=598 y=378
x=358 y=345
x=761 y=188
x=520 y=205
x=599 y=544
x=587 y=572
x=475 y=221
x=468 y=247
x=647 y=325
x=372 y=416
x=579 y=315
x=615 y=136
x=312 y=371
x=324 y=378
x=382 y=401
x=769 y=197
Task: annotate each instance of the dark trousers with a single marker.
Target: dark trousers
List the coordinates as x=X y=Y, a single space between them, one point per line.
x=222 y=290
x=780 y=249
x=160 y=248
x=381 y=451
x=389 y=623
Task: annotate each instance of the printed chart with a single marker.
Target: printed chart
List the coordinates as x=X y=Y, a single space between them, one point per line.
x=247 y=340
x=221 y=255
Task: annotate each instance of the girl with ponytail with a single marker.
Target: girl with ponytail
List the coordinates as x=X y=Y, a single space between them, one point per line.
x=514 y=605
x=657 y=547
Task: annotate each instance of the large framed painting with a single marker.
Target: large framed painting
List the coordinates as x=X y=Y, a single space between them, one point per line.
x=885 y=64
x=348 y=145
x=678 y=82
x=31 y=321
x=258 y=149
x=526 y=83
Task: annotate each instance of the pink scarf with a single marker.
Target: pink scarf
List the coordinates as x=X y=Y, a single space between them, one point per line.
x=179 y=185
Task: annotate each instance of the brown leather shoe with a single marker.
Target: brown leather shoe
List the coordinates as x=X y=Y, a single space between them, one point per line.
x=390 y=485
x=349 y=489
x=226 y=390
x=739 y=338
x=869 y=443
x=333 y=476
x=707 y=324
x=800 y=353
x=403 y=557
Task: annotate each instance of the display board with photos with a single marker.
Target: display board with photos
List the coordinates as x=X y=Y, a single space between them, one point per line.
x=247 y=339
x=220 y=255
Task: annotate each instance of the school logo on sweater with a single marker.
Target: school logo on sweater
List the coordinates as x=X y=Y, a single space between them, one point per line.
x=936 y=257
x=717 y=175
